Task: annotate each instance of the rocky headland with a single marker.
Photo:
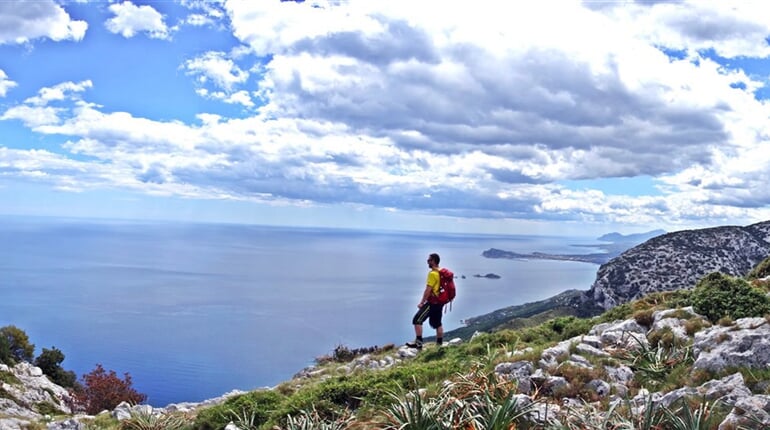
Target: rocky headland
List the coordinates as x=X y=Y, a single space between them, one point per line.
x=615 y=244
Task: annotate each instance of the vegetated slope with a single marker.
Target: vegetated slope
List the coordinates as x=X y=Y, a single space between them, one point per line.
x=678 y=260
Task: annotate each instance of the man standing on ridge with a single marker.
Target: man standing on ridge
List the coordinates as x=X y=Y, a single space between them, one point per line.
x=427 y=310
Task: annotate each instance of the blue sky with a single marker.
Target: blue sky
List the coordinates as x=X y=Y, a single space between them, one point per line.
x=500 y=117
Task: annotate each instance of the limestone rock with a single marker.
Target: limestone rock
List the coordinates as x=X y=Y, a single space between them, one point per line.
x=625 y=334
x=551 y=356
x=27 y=392
x=746 y=344
x=748 y=412
x=519 y=371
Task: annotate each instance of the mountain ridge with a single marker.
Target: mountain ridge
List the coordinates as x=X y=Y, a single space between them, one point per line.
x=678 y=260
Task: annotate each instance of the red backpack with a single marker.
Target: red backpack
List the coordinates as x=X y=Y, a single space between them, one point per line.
x=446 y=291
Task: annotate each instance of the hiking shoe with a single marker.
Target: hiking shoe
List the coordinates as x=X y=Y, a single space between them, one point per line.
x=416 y=344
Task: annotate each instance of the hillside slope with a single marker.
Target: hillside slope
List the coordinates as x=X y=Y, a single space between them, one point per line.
x=678 y=260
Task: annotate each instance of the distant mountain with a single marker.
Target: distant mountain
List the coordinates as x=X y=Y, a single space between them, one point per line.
x=637 y=237
x=678 y=260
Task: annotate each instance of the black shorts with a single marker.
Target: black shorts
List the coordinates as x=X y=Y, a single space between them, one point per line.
x=429 y=311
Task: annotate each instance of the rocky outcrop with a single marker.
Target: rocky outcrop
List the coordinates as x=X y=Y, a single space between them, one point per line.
x=26 y=395
x=678 y=260
x=622 y=340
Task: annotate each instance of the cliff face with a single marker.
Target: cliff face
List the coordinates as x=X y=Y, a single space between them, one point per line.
x=678 y=260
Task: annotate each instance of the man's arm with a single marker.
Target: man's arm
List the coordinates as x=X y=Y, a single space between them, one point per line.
x=428 y=291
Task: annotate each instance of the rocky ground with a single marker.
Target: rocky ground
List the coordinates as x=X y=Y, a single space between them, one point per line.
x=580 y=377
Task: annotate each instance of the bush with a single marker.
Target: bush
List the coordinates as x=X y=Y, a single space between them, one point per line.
x=253 y=409
x=760 y=271
x=104 y=391
x=717 y=296
x=15 y=346
x=644 y=317
x=49 y=361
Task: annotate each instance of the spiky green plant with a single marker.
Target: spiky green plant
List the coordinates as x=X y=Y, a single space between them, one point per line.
x=312 y=420
x=413 y=412
x=652 y=365
x=489 y=413
x=150 y=421
x=706 y=416
x=589 y=417
x=649 y=418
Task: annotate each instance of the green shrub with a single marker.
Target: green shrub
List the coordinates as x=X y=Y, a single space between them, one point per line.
x=620 y=312
x=694 y=325
x=760 y=271
x=726 y=321
x=644 y=317
x=9 y=378
x=717 y=296
x=15 y=346
x=45 y=408
x=569 y=327
x=49 y=361
x=255 y=407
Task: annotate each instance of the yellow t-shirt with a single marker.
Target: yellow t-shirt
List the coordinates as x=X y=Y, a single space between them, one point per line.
x=434 y=280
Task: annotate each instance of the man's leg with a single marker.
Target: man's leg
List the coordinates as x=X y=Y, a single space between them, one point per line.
x=417 y=321
x=418 y=330
x=435 y=322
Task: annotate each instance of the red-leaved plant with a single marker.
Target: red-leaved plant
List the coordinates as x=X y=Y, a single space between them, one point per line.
x=101 y=390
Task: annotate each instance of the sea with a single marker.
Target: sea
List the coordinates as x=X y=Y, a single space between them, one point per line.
x=193 y=311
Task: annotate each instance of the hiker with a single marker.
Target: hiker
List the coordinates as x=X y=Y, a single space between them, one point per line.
x=428 y=309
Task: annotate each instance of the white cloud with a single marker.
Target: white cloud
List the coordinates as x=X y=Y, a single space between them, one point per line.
x=38 y=111
x=732 y=29
x=63 y=91
x=5 y=83
x=242 y=97
x=476 y=111
x=130 y=20
x=24 y=21
x=215 y=67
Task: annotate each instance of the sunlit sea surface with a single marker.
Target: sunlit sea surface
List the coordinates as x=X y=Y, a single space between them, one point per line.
x=193 y=311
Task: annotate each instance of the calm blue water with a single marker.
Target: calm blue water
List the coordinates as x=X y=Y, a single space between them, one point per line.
x=192 y=311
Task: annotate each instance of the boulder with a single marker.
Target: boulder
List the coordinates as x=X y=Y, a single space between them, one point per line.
x=625 y=334
x=748 y=412
x=519 y=371
x=550 y=357
x=746 y=344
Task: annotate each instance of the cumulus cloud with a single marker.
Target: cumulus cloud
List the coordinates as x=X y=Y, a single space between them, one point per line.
x=205 y=13
x=5 y=83
x=605 y=103
x=42 y=109
x=24 y=21
x=731 y=29
x=216 y=68
x=129 y=20
x=469 y=112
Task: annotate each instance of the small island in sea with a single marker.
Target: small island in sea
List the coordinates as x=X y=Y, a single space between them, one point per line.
x=488 y=276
